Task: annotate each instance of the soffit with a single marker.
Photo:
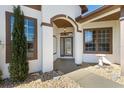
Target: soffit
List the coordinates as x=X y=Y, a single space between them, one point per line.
x=114 y=16
x=61 y=23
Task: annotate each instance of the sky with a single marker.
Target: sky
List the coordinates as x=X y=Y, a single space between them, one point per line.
x=92 y=8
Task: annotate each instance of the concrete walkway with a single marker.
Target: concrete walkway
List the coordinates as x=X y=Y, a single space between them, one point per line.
x=90 y=80
x=83 y=77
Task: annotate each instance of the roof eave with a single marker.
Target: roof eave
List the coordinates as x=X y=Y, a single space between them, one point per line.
x=81 y=18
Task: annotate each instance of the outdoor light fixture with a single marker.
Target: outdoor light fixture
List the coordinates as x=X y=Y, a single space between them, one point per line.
x=64 y=29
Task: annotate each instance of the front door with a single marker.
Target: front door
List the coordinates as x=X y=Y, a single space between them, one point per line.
x=66 y=46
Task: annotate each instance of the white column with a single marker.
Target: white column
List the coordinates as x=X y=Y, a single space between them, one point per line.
x=122 y=45
x=47 y=48
x=78 y=47
x=122 y=41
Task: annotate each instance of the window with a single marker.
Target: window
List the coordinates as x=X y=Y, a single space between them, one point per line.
x=98 y=40
x=30 y=25
x=54 y=45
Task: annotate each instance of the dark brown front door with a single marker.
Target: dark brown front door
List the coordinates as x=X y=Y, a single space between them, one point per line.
x=66 y=46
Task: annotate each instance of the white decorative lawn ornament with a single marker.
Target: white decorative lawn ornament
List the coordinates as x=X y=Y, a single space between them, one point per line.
x=102 y=59
x=100 y=62
x=106 y=61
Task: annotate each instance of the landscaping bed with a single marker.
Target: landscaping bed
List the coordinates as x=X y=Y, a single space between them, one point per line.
x=52 y=79
x=56 y=79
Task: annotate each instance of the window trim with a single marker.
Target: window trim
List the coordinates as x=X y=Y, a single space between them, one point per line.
x=8 y=37
x=98 y=52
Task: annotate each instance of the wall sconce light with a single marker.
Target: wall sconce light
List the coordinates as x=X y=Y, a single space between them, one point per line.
x=64 y=29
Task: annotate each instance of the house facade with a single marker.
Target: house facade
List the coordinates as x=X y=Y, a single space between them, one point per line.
x=65 y=31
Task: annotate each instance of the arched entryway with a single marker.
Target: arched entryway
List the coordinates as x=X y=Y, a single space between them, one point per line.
x=61 y=28
x=64 y=29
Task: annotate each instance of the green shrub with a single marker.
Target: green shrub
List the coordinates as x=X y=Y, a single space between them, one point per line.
x=0 y=76
x=18 y=67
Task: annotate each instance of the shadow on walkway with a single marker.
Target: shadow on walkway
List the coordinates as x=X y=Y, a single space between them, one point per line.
x=68 y=65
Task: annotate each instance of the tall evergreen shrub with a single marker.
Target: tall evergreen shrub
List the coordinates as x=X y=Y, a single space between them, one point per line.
x=0 y=76
x=18 y=67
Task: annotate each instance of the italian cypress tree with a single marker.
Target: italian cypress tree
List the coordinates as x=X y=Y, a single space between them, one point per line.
x=0 y=76
x=18 y=67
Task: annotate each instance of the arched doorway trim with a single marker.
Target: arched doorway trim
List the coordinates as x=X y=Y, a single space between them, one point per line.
x=62 y=16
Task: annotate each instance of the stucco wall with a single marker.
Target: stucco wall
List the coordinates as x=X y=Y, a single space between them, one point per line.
x=51 y=10
x=34 y=65
x=47 y=49
x=115 y=56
